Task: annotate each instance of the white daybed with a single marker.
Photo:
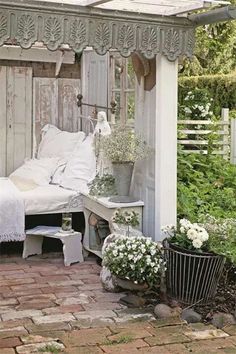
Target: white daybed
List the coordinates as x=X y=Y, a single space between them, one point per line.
x=50 y=184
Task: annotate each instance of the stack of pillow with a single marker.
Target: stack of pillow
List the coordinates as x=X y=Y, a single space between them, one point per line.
x=66 y=159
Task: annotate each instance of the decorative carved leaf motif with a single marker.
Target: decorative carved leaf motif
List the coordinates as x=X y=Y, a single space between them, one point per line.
x=77 y=34
x=102 y=35
x=190 y=42
x=25 y=28
x=172 y=41
x=3 y=25
x=52 y=30
x=149 y=41
x=126 y=36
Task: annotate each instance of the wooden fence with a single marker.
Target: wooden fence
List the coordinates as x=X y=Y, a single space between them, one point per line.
x=195 y=136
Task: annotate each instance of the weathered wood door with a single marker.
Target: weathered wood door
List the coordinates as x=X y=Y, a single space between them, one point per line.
x=95 y=79
x=15 y=117
x=55 y=102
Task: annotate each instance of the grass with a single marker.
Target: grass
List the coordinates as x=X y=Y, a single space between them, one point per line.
x=49 y=348
x=121 y=340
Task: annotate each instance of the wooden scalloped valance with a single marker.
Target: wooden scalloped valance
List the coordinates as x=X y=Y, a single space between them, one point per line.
x=29 y=22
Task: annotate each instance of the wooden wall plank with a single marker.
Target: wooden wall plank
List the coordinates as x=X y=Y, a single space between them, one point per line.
x=3 y=122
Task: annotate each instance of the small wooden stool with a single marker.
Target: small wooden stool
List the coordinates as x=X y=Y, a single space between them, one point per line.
x=71 y=240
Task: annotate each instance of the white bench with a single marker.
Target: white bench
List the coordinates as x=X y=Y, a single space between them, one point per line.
x=72 y=246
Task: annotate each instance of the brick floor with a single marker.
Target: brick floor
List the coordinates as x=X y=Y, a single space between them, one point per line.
x=44 y=304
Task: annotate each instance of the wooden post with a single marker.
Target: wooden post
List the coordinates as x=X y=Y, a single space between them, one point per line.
x=233 y=142
x=165 y=144
x=225 y=121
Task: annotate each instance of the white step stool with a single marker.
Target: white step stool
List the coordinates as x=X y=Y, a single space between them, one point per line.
x=71 y=240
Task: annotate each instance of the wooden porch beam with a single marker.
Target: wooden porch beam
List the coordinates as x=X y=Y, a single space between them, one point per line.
x=94 y=2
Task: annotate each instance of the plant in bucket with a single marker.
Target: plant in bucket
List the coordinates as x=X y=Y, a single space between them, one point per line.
x=126 y=218
x=136 y=263
x=123 y=147
x=193 y=270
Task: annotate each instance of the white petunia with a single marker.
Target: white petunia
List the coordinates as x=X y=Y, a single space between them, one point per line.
x=192 y=234
x=197 y=243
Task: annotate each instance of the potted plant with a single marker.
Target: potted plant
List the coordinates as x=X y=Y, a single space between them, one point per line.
x=123 y=147
x=134 y=260
x=193 y=270
x=126 y=219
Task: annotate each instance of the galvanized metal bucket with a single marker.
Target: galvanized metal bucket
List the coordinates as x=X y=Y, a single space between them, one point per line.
x=123 y=175
x=192 y=277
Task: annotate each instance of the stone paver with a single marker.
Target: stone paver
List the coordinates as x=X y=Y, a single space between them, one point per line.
x=44 y=304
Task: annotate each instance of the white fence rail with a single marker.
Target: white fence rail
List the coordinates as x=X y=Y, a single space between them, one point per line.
x=195 y=136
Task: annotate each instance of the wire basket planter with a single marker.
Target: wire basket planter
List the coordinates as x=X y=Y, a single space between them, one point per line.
x=192 y=277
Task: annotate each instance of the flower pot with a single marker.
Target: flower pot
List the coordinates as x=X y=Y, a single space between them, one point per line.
x=123 y=174
x=129 y=284
x=191 y=277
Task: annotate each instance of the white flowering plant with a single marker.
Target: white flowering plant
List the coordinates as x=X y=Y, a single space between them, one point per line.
x=190 y=236
x=138 y=259
x=124 y=145
x=129 y=218
x=197 y=105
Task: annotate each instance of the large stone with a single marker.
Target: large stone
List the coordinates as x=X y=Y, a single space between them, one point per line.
x=108 y=281
x=221 y=319
x=163 y=311
x=133 y=300
x=191 y=316
x=40 y=347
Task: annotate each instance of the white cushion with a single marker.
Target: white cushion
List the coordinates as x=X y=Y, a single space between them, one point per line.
x=81 y=167
x=58 y=174
x=35 y=172
x=58 y=143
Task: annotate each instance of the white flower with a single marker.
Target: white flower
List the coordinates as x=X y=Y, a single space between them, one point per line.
x=182 y=230
x=192 y=234
x=115 y=253
x=197 y=243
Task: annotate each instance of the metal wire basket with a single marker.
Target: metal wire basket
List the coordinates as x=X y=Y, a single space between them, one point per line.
x=192 y=277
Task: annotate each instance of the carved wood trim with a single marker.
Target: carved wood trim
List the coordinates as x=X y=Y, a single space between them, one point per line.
x=25 y=24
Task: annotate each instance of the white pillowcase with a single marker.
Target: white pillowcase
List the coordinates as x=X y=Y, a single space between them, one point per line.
x=58 y=143
x=81 y=167
x=35 y=171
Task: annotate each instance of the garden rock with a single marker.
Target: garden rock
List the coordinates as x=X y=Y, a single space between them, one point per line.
x=133 y=300
x=107 y=281
x=165 y=311
x=109 y=239
x=222 y=319
x=191 y=316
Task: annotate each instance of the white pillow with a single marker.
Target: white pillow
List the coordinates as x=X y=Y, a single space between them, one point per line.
x=81 y=167
x=58 y=143
x=58 y=174
x=35 y=171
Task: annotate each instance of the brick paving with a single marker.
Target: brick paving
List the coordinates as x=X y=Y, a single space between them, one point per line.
x=48 y=308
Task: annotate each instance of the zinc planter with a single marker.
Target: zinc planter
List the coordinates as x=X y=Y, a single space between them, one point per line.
x=122 y=173
x=191 y=277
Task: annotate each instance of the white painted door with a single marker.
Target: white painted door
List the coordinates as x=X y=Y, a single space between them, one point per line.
x=15 y=117
x=55 y=102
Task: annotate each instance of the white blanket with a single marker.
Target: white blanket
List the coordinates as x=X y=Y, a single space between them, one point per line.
x=12 y=213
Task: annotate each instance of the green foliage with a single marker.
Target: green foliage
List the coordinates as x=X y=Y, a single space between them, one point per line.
x=206 y=185
x=222 y=88
x=215 y=51
x=222 y=236
x=103 y=186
